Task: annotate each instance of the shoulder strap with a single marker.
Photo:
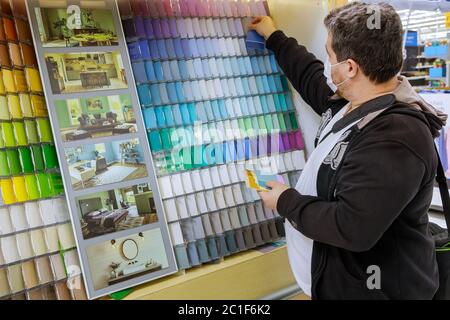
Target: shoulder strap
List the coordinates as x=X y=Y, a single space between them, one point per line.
x=440 y=177
x=443 y=189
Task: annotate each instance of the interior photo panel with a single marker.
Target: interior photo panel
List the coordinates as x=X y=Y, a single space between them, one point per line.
x=101 y=116
x=106 y=163
x=84 y=72
x=60 y=29
x=116 y=210
x=132 y=257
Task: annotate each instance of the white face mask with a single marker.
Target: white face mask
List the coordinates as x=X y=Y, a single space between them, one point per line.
x=327 y=74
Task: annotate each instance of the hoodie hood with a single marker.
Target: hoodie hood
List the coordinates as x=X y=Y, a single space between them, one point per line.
x=405 y=93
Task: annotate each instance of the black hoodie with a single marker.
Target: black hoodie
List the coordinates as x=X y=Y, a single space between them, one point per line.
x=371 y=209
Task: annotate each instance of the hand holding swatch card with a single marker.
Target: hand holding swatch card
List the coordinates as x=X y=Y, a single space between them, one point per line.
x=257 y=180
x=253 y=40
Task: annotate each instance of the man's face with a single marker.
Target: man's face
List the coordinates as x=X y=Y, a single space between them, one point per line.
x=338 y=72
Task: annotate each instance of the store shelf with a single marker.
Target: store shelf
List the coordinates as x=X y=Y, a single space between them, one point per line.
x=418 y=77
x=248 y=275
x=432 y=57
x=437 y=78
x=423 y=67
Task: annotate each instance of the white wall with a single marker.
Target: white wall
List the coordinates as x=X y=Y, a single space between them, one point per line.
x=101 y=255
x=303 y=20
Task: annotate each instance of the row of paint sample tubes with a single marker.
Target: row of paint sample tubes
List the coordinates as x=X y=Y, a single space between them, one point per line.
x=37 y=252
x=212 y=213
x=193 y=8
x=28 y=160
x=193 y=74
x=37 y=249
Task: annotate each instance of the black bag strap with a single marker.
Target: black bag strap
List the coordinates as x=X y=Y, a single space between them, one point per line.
x=440 y=176
x=443 y=189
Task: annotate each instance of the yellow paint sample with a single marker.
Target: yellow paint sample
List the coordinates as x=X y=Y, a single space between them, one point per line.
x=19 y=79
x=34 y=80
x=20 y=189
x=39 y=106
x=4 y=110
x=8 y=80
x=25 y=105
x=333 y=4
x=14 y=106
x=2 y=85
x=7 y=190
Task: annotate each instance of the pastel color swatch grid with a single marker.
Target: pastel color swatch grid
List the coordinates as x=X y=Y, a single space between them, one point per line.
x=212 y=108
x=28 y=160
x=37 y=246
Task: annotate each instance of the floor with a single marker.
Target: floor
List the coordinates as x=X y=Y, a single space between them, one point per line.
x=60 y=44
x=75 y=86
x=300 y=296
x=136 y=174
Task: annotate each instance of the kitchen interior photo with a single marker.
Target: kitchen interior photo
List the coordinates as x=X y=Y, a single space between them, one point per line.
x=98 y=164
x=84 y=72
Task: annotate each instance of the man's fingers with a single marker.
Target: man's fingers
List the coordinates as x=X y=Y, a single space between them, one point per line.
x=257 y=19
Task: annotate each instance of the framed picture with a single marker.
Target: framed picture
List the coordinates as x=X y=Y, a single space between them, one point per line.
x=94 y=105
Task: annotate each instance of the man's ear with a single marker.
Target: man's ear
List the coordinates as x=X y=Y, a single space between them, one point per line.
x=353 y=68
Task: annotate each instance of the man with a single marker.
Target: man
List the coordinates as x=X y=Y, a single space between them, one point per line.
x=357 y=223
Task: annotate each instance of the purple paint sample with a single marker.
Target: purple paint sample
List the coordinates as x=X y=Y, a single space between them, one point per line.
x=173 y=28
x=286 y=142
x=165 y=29
x=262 y=146
x=140 y=29
x=129 y=28
x=254 y=147
x=157 y=28
x=299 y=140
x=149 y=29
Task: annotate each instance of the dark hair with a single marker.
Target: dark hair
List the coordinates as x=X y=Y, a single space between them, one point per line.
x=377 y=49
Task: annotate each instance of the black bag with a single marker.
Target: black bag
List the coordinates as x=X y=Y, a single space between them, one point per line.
x=442 y=239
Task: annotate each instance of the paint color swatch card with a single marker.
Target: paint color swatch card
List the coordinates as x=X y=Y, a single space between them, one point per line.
x=258 y=180
x=255 y=41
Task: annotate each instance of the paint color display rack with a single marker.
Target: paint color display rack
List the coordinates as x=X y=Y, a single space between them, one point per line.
x=117 y=214
x=28 y=161
x=212 y=107
x=38 y=259
x=37 y=256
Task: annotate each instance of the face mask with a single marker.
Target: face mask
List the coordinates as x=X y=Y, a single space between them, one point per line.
x=327 y=73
